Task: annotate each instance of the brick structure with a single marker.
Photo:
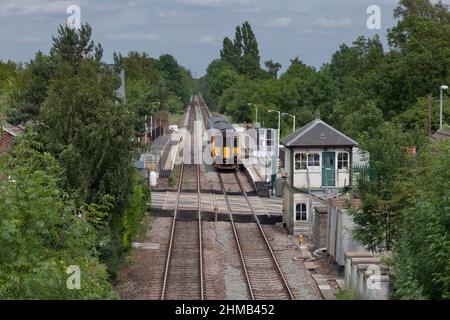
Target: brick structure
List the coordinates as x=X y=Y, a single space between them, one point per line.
x=8 y=135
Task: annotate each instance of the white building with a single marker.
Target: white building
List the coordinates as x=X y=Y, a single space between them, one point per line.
x=318 y=162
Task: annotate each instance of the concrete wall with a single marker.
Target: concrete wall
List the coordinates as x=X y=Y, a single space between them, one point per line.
x=365 y=275
x=339 y=235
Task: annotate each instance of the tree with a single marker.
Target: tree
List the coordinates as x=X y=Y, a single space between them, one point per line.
x=249 y=42
x=238 y=45
x=89 y=132
x=30 y=89
x=208 y=83
x=298 y=70
x=243 y=53
x=42 y=234
x=273 y=68
x=421 y=47
x=229 y=54
x=172 y=72
x=73 y=45
x=84 y=125
x=422 y=257
x=378 y=224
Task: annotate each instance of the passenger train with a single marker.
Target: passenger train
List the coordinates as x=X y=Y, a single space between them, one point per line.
x=224 y=143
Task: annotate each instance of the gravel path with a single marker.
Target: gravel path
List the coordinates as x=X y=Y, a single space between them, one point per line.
x=222 y=263
x=142 y=279
x=302 y=284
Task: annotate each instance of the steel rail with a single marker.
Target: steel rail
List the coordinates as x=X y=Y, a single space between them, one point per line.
x=249 y=284
x=172 y=233
x=200 y=231
x=265 y=238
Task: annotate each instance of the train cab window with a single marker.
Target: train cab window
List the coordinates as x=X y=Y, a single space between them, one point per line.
x=236 y=142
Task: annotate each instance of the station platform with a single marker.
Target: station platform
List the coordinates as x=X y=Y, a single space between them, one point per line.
x=151 y=160
x=262 y=187
x=170 y=155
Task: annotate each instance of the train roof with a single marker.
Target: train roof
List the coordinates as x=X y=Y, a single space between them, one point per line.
x=220 y=124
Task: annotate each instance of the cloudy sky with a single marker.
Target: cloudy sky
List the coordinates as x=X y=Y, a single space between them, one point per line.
x=193 y=30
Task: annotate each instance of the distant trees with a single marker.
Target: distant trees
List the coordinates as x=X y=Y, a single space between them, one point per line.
x=273 y=68
x=154 y=82
x=7 y=76
x=231 y=52
x=29 y=89
x=242 y=53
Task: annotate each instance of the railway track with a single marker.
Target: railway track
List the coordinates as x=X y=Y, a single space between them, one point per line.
x=184 y=268
x=183 y=275
x=264 y=277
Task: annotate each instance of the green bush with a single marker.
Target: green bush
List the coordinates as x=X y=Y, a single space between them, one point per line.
x=125 y=225
x=42 y=234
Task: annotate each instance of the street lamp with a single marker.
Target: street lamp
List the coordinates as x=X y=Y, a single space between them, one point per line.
x=278 y=147
x=153 y=105
x=443 y=87
x=254 y=105
x=293 y=117
x=279 y=124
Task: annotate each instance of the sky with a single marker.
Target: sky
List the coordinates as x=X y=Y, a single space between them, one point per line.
x=193 y=30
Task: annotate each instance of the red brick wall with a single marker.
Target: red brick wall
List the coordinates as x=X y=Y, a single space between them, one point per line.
x=6 y=142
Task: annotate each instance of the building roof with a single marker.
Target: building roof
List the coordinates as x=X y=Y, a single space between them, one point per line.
x=220 y=124
x=442 y=134
x=13 y=130
x=318 y=134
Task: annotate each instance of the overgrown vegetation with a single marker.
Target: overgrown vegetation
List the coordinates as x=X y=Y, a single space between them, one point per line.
x=43 y=233
x=174 y=176
x=347 y=294
x=74 y=197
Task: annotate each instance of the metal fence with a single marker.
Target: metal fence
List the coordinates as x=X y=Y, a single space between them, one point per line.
x=363 y=172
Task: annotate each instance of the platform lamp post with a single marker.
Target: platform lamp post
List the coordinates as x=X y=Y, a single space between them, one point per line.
x=441 y=122
x=293 y=117
x=279 y=125
x=274 y=177
x=153 y=105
